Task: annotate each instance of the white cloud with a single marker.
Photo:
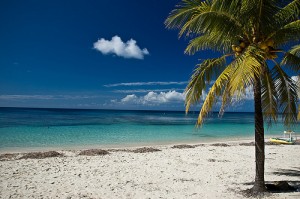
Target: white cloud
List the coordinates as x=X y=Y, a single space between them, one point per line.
x=152 y=98
x=249 y=95
x=295 y=78
x=118 y=47
x=146 y=84
x=129 y=98
x=113 y=101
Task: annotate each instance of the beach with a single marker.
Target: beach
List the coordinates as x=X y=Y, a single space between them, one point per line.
x=210 y=170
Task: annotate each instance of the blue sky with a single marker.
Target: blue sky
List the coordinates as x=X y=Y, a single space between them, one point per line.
x=93 y=54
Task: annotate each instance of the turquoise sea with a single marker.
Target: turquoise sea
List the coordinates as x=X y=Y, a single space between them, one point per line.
x=70 y=128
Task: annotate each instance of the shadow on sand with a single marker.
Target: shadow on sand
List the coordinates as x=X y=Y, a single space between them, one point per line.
x=288 y=172
x=283 y=186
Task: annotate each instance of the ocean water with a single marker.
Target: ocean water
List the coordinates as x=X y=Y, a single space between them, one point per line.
x=71 y=128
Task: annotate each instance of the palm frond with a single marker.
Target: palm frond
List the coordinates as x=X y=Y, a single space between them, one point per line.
x=288 y=13
x=214 y=92
x=286 y=89
x=232 y=6
x=291 y=59
x=295 y=50
x=213 y=21
x=248 y=66
x=269 y=97
x=202 y=17
x=201 y=77
x=226 y=99
x=258 y=16
x=286 y=34
x=265 y=12
x=186 y=11
x=209 y=41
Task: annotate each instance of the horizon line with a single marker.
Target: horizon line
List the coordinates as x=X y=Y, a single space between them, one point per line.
x=111 y=109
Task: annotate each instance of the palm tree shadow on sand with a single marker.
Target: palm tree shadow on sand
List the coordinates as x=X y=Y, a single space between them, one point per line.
x=295 y=172
x=282 y=186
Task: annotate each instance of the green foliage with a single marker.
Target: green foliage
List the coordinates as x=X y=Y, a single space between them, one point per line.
x=249 y=33
x=201 y=78
x=291 y=61
x=269 y=97
x=212 y=41
x=216 y=90
x=289 y=13
x=286 y=90
x=247 y=66
x=286 y=34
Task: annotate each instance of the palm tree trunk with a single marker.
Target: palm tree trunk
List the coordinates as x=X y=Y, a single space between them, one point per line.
x=259 y=184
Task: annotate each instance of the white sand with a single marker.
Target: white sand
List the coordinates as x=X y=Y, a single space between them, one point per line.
x=202 y=172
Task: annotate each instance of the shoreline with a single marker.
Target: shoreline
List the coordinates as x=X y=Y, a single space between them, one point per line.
x=22 y=150
x=123 y=146
x=130 y=145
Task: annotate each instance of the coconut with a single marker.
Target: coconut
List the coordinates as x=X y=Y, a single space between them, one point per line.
x=238 y=49
x=263 y=46
x=270 y=42
x=242 y=45
x=233 y=47
x=272 y=56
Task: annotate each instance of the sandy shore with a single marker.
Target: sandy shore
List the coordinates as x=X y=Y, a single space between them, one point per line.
x=205 y=171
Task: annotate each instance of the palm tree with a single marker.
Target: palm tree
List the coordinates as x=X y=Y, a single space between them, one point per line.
x=251 y=36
